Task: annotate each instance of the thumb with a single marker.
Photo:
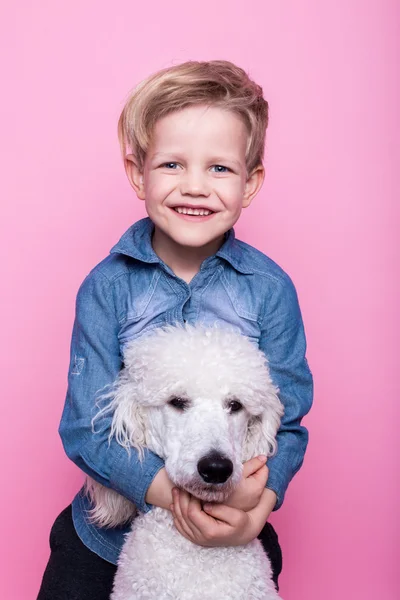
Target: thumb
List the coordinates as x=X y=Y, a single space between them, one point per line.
x=262 y=475
x=253 y=465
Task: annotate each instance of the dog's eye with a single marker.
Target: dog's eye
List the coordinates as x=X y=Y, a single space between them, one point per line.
x=179 y=403
x=235 y=406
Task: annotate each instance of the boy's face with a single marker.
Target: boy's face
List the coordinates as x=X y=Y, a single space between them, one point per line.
x=194 y=181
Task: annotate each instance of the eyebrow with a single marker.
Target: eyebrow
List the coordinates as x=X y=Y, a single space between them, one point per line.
x=214 y=160
x=221 y=159
x=168 y=154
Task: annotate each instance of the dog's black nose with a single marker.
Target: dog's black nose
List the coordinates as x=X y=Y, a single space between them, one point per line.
x=215 y=468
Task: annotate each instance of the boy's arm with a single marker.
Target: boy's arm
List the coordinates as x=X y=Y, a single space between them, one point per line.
x=283 y=341
x=95 y=363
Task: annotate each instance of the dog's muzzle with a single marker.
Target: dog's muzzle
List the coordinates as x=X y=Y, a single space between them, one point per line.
x=215 y=468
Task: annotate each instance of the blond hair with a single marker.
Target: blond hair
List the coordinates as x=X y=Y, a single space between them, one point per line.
x=217 y=83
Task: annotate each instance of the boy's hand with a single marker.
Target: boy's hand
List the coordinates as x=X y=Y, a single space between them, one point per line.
x=250 y=488
x=218 y=524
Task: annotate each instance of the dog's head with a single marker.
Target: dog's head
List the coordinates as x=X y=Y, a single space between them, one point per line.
x=200 y=398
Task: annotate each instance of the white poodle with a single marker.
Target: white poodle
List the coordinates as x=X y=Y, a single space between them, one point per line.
x=203 y=400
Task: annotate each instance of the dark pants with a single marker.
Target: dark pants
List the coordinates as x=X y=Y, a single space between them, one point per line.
x=76 y=573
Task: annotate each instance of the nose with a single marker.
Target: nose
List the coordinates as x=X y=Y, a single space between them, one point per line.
x=194 y=184
x=215 y=468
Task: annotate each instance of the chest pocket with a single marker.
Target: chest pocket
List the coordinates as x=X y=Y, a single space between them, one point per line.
x=230 y=305
x=146 y=307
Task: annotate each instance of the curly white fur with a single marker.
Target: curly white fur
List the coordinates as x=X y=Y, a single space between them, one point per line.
x=208 y=368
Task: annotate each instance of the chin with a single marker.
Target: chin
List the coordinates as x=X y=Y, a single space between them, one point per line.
x=208 y=492
x=193 y=240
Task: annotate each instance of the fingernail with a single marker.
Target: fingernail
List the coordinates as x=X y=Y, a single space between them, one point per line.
x=262 y=457
x=207 y=507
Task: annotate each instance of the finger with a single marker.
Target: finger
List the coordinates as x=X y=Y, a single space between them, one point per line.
x=182 y=531
x=200 y=541
x=182 y=527
x=254 y=464
x=175 y=502
x=184 y=499
x=192 y=506
x=200 y=521
x=228 y=515
x=177 y=513
x=261 y=476
x=181 y=506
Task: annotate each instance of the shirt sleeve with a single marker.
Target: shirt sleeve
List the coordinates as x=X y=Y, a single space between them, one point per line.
x=283 y=341
x=95 y=363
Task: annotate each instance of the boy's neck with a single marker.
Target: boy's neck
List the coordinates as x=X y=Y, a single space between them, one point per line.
x=185 y=262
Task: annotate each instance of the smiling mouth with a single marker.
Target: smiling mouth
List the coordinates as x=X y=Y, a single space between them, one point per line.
x=195 y=212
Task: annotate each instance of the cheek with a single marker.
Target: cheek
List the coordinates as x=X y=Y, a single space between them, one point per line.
x=231 y=192
x=158 y=186
x=166 y=431
x=174 y=434
x=239 y=430
x=155 y=428
x=180 y=455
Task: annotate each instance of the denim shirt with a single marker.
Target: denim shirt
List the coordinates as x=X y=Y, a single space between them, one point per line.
x=132 y=292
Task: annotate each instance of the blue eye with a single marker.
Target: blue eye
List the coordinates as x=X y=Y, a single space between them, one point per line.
x=219 y=167
x=168 y=165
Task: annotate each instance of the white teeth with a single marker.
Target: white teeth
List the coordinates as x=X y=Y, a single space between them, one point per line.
x=198 y=212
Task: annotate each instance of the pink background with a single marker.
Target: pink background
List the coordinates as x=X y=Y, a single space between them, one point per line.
x=326 y=214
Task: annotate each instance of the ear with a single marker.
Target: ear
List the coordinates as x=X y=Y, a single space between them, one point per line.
x=253 y=185
x=135 y=176
x=128 y=424
x=262 y=429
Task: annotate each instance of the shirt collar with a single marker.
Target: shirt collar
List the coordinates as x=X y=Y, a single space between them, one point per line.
x=136 y=242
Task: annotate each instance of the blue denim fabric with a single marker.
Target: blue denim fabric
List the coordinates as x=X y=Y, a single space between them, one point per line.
x=132 y=292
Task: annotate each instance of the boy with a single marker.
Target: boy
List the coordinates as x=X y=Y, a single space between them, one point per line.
x=192 y=138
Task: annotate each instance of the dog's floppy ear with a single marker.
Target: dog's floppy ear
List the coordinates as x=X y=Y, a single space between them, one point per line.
x=262 y=429
x=128 y=424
